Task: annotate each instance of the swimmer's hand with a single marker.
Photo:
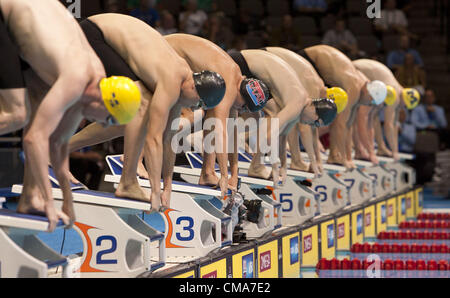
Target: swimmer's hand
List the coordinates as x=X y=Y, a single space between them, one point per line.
x=283 y=175
x=276 y=174
x=223 y=184
x=54 y=215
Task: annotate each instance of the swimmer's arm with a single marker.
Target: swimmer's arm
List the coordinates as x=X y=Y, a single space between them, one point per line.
x=220 y=114
x=390 y=129
x=168 y=154
x=163 y=100
x=233 y=156
x=36 y=140
x=59 y=157
x=364 y=129
x=283 y=151
x=306 y=133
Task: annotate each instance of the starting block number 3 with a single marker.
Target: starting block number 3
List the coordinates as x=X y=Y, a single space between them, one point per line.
x=187 y=228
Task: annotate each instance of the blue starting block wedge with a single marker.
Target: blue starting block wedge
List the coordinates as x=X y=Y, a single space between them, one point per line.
x=194 y=227
x=22 y=253
x=116 y=241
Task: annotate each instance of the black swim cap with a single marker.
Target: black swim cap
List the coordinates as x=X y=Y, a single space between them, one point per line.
x=255 y=93
x=326 y=109
x=210 y=87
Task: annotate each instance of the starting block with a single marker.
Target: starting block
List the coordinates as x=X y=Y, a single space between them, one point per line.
x=333 y=193
x=299 y=202
x=22 y=253
x=194 y=227
x=271 y=209
x=116 y=241
x=384 y=180
x=404 y=175
x=361 y=187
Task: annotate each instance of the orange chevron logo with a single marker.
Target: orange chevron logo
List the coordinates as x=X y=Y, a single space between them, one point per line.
x=86 y=267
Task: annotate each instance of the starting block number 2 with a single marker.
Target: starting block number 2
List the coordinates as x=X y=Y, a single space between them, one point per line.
x=111 y=250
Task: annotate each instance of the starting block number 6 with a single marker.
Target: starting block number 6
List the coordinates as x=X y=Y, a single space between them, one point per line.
x=323 y=193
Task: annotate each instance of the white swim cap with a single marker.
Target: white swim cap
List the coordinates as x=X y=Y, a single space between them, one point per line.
x=378 y=91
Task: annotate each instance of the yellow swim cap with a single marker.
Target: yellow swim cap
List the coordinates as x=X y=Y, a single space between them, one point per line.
x=391 y=96
x=339 y=96
x=411 y=97
x=122 y=98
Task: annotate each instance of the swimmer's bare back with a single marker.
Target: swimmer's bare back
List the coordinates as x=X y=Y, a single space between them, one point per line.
x=44 y=43
x=143 y=48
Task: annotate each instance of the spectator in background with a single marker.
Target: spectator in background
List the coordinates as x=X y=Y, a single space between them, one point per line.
x=145 y=12
x=428 y=115
x=341 y=38
x=313 y=8
x=310 y=7
x=243 y=23
x=410 y=75
x=205 y=5
x=239 y=44
x=392 y=20
x=216 y=31
x=192 y=20
x=287 y=36
x=406 y=133
x=396 y=58
x=167 y=24
x=113 y=6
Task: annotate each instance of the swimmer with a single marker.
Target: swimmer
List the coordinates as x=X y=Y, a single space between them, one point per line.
x=336 y=69
x=66 y=82
x=168 y=85
x=291 y=104
x=316 y=89
x=398 y=97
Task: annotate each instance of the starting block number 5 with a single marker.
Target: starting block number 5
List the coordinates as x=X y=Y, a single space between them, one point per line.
x=283 y=199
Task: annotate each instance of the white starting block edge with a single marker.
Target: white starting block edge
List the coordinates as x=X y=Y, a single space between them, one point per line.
x=12 y=219
x=176 y=186
x=95 y=197
x=244 y=179
x=245 y=165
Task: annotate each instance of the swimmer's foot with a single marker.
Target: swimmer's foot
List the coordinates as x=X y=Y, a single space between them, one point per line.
x=299 y=166
x=133 y=191
x=209 y=180
x=261 y=172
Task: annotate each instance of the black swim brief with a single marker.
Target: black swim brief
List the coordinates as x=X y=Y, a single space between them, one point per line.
x=114 y=64
x=11 y=76
x=305 y=55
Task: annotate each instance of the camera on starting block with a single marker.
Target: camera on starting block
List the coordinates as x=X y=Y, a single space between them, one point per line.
x=242 y=210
